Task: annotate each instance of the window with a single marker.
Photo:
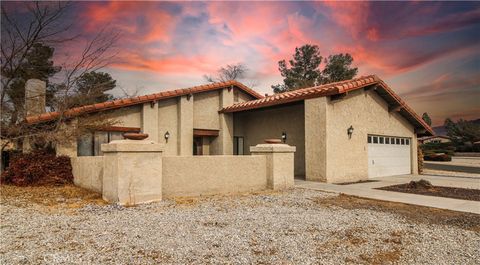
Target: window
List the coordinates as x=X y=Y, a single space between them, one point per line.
x=238 y=145
x=381 y=139
x=387 y=140
x=397 y=141
x=90 y=144
x=392 y=140
x=402 y=141
x=407 y=141
x=369 y=139
x=375 y=139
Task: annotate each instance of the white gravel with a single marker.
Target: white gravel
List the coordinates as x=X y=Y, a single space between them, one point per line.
x=286 y=228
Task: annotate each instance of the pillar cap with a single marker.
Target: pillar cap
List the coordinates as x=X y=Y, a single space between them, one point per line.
x=132 y=146
x=272 y=148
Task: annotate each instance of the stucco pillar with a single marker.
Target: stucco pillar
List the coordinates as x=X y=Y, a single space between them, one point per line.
x=225 y=137
x=150 y=121
x=280 y=167
x=35 y=90
x=132 y=171
x=185 y=126
x=316 y=139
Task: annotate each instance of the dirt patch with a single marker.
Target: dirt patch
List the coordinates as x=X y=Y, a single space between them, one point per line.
x=66 y=196
x=439 y=191
x=413 y=213
x=382 y=256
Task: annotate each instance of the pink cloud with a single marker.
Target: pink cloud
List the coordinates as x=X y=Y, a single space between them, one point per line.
x=157 y=23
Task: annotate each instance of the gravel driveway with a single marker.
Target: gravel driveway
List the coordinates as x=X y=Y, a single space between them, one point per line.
x=293 y=227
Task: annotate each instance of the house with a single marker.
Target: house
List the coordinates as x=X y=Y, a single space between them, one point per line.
x=345 y=131
x=435 y=139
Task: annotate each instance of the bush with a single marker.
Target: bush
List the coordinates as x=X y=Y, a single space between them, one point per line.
x=437 y=157
x=421 y=184
x=38 y=168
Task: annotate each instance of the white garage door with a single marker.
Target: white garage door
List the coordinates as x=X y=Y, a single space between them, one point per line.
x=388 y=156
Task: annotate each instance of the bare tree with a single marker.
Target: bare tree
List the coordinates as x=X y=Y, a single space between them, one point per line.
x=229 y=72
x=47 y=24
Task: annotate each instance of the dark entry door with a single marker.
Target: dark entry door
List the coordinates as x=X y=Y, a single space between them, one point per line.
x=197 y=146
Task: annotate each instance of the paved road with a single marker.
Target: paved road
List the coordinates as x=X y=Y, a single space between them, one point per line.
x=465 y=169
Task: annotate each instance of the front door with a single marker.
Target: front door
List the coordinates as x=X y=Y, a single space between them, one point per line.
x=197 y=146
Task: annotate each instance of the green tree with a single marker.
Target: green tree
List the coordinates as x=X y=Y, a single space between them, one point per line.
x=463 y=131
x=303 y=70
x=91 y=88
x=338 y=67
x=427 y=119
x=38 y=64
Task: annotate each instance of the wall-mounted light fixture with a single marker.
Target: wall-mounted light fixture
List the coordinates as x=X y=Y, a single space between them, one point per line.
x=284 y=137
x=350 y=132
x=167 y=135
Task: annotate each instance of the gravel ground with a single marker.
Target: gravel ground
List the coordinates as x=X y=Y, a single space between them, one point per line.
x=293 y=227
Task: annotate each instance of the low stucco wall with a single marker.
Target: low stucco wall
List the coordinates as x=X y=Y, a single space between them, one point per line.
x=204 y=175
x=88 y=172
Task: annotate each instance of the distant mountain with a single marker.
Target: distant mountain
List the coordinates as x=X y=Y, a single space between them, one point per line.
x=441 y=130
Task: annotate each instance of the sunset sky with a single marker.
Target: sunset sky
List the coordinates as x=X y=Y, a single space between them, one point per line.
x=428 y=52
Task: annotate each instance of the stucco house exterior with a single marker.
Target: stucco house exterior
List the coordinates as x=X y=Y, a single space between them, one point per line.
x=346 y=131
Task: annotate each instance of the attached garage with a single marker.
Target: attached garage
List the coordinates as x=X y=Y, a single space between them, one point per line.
x=346 y=132
x=388 y=156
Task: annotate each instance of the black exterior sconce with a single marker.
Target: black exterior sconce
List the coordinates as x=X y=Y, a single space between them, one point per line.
x=167 y=135
x=284 y=137
x=350 y=132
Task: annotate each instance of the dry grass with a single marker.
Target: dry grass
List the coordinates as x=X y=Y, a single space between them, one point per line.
x=53 y=197
x=413 y=213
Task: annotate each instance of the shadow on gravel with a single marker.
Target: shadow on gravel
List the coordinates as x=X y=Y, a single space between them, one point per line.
x=413 y=213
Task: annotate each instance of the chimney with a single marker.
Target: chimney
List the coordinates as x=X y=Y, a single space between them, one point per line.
x=35 y=91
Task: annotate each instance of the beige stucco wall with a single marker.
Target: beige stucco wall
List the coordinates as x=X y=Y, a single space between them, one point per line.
x=240 y=96
x=88 y=172
x=205 y=110
x=179 y=116
x=203 y=175
x=168 y=121
x=257 y=125
x=347 y=159
x=316 y=139
x=126 y=117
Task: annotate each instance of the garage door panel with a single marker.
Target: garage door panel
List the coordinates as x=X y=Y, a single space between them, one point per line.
x=388 y=159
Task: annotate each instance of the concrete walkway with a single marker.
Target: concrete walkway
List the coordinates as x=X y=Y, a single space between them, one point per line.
x=367 y=190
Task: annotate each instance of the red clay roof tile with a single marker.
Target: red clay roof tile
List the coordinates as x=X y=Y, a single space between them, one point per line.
x=325 y=90
x=119 y=103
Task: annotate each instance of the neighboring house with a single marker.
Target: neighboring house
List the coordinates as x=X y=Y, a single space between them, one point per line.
x=435 y=139
x=345 y=131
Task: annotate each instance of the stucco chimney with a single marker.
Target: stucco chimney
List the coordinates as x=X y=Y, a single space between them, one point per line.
x=35 y=91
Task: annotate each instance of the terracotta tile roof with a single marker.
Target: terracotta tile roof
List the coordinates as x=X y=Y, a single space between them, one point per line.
x=120 y=103
x=328 y=90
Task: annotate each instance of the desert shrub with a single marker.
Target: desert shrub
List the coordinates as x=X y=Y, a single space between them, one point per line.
x=421 y=184
x=38 y=168
x=437 y=146
x=437 y=157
